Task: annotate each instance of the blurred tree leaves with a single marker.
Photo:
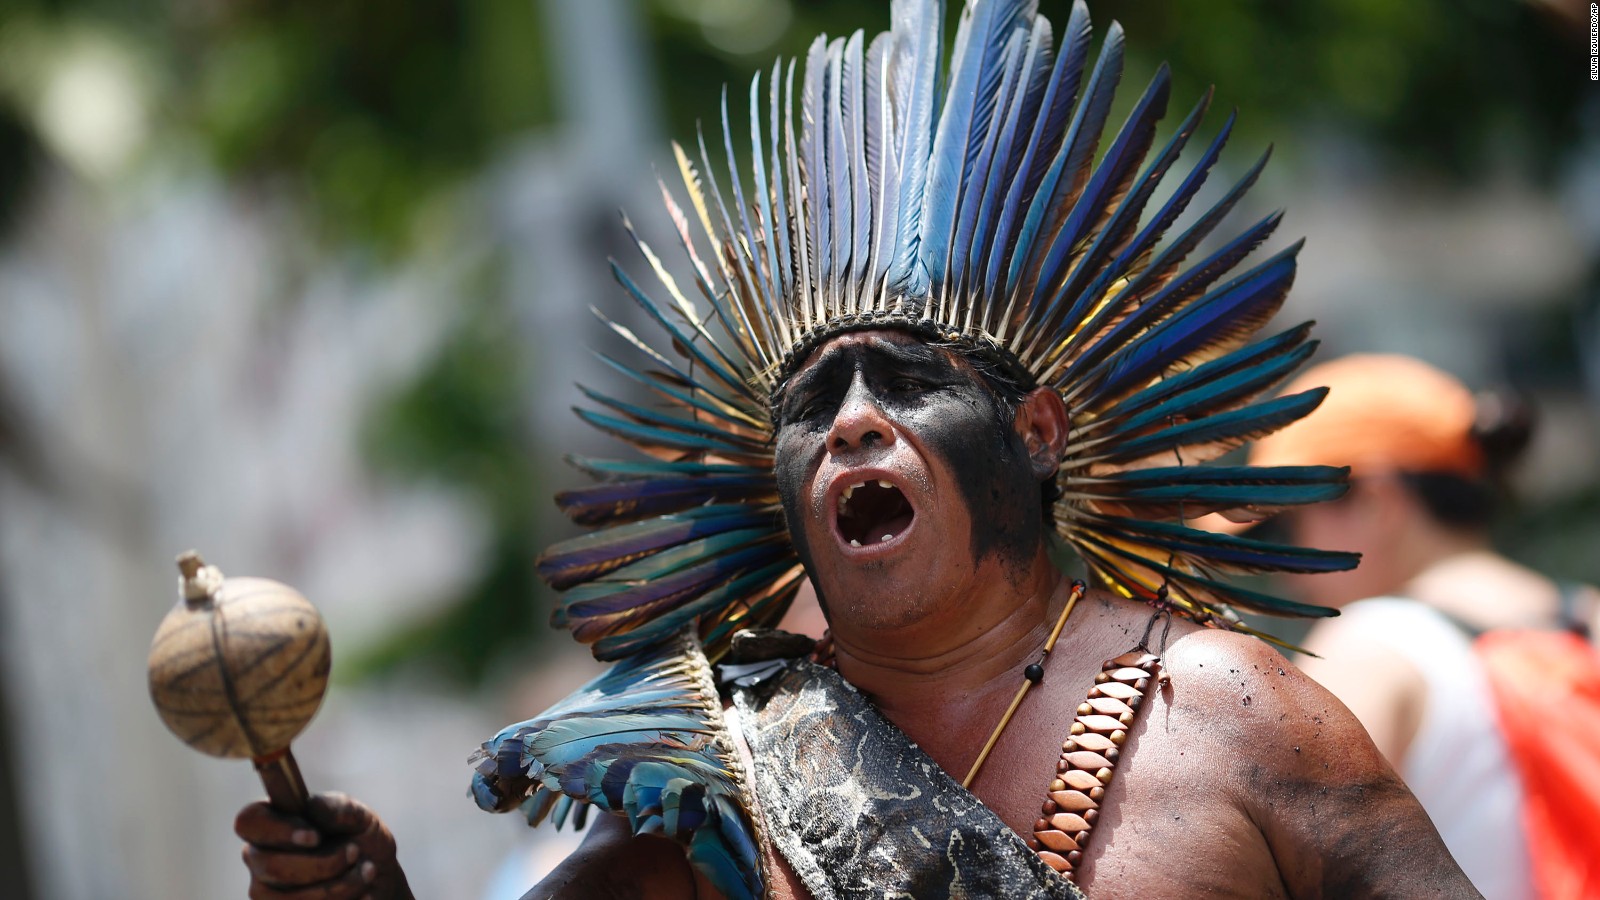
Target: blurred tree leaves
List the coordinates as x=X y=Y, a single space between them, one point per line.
x=460 y=422
x=372 y=109
x=1446 y=87
x=365 y=112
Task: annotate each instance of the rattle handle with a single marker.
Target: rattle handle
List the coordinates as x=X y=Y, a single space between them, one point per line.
x=286 y=790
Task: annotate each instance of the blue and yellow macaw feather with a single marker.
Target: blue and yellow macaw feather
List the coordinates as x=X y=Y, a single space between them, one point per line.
x=645 y=740
x=978 y=195
x=881 y=181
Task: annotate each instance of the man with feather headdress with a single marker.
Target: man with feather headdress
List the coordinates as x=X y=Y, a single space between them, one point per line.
x=935 y=343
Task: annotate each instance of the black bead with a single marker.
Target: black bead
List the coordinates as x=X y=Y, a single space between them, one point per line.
x=1034 y=673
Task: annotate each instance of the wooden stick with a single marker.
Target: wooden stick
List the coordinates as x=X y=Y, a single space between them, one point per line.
x=1049 y=644
x=280 y=774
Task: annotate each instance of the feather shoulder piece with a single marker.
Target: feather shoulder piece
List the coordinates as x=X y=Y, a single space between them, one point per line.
x=645 y=740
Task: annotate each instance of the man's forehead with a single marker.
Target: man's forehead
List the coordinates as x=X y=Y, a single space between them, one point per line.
x=888 y=343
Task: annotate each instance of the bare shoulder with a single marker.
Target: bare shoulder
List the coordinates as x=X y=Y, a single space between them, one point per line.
x=1248 y=686
x=1286 y=730
x=1337 y=818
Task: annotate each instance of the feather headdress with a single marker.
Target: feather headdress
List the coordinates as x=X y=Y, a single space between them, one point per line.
x=975 y=205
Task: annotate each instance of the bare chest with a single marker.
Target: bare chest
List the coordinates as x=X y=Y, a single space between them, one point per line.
x=1168 y=825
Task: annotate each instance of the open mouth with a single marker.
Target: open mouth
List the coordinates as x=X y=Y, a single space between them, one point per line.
x=873 y=512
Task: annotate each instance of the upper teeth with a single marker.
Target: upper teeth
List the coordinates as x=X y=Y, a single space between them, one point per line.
x=884 y=484
x=850 y=490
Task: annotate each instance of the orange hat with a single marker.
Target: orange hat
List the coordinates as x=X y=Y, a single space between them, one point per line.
x=1383 y=413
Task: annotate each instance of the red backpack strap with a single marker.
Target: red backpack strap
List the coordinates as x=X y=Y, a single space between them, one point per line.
x=1546 y=686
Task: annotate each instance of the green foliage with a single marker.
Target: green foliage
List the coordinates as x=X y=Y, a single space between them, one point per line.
x=372 y=109
x=460 y=422
x=1441 y=87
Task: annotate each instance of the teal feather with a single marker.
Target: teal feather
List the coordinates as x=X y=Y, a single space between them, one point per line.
x=1220 y=432
x=1187 y=492
x=677 y=422
x=645 y=740
x=1228 y=553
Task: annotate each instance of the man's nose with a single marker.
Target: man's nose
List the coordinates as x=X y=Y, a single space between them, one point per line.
x=860 y=422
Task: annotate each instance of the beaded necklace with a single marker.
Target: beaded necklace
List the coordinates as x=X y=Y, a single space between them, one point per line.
x=1090 y=753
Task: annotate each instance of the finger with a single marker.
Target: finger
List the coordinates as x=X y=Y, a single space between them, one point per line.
x=294 y=870
x=337 y=813
x=264 y=826
x=351 y=885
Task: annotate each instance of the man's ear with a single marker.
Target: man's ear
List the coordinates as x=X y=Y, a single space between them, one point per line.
x=1043 y=425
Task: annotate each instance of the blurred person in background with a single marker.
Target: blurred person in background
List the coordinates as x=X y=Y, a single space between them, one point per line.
x=1428 y=468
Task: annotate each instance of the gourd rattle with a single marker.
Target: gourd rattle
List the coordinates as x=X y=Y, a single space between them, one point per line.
x=237 y=669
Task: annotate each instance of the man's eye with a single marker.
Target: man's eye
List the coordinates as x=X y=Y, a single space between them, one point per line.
x=906 y=385
x=805 y=410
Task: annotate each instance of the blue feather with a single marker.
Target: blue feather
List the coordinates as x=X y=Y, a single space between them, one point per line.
x=919 y=31
x=715 y=602
x=836 y=172
x=651 y=437
x=1108 y=181
x=714 y=367
x=599 y=609
x=1218 y=392
x=1023 y=99
x=1112 y=238
x=1152 y=232
x=644 y=741
x=969 y=104
x=1261 y=353
x=754 y=273
x=1155 y=275
x=686 y=424
x=853 y=69
x=984 y=174
x=1253 y=600
x=593 y=555
x=1054 y=200
x=814 y=141
x=1043 y=144
x=1190 y=327
x=1235 y=426
x=661 y=383
x=777 y=221
x=1228 y=553
x=622 y=470
x=1187 y=492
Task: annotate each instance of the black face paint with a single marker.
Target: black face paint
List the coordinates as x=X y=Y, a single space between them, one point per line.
x=924 y=391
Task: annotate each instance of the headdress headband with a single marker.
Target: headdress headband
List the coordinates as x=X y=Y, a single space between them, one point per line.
x=966 y=205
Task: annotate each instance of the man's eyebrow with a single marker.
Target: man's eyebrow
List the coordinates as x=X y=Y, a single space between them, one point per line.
x=912 y=354
x=807 y=380
x=908 y=355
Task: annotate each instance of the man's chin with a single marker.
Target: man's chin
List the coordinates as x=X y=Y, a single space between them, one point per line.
x=890 y=590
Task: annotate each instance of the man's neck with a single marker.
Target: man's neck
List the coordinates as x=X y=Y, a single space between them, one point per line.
x=943 y=684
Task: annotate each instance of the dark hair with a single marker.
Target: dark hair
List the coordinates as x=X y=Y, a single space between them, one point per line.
x=1502 y=430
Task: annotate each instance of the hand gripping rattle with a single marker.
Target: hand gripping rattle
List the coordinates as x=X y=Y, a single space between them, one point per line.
x=237 y=669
